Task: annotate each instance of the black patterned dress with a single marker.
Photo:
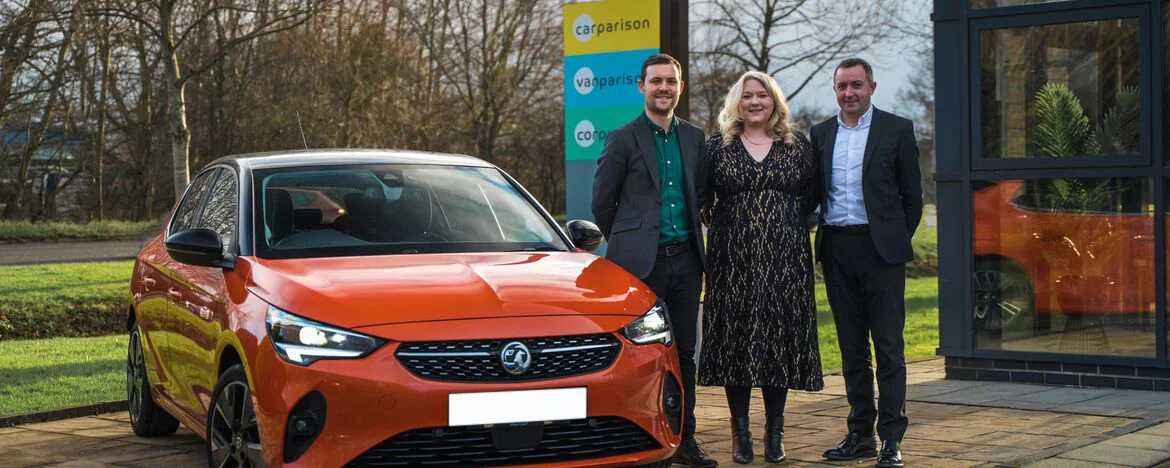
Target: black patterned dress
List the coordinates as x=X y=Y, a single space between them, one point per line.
x=759 y=315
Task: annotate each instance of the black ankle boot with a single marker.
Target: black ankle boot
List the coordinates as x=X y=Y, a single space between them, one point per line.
x=774 y=440
x=741 y=441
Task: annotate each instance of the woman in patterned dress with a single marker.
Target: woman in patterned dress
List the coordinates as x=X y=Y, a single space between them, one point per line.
x=759 y=315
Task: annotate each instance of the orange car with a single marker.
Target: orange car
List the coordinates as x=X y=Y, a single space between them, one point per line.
x=444 y=319
x=1080 y=248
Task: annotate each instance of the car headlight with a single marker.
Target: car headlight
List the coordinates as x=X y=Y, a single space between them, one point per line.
x=651 y=327
x=302 y=341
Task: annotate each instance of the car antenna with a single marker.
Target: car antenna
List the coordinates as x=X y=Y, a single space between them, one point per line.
x=302 y=129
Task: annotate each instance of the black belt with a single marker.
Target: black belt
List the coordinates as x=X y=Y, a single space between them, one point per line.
x=670 y=250
x=850 y=229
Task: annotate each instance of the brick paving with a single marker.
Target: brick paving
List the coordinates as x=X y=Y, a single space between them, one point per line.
x=952 y=424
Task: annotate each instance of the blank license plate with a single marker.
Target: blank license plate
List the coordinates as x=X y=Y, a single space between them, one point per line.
x=471 y=409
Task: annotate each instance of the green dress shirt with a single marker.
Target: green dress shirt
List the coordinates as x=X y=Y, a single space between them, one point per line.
x=675 y=224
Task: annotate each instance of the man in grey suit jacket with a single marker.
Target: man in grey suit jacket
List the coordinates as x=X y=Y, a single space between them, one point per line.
x=651 y=179
x=871 y=206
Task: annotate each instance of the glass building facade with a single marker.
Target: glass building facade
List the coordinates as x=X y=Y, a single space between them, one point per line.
x=1052 y=164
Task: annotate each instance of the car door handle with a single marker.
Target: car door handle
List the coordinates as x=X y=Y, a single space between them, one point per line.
x=148 y=283
x=174 y=294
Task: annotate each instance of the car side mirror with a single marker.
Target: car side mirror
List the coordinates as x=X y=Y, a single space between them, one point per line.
x=199 y=247
x=584 y=234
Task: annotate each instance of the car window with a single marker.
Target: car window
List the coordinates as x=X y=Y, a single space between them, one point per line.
x=188 y=211
x=391 y=209
x=221 y=212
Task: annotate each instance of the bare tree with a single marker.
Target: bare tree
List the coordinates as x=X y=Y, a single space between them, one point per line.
x=172 y=22
x=51 y=78
x=495 y=57
x=917 y=97
x=795 y=38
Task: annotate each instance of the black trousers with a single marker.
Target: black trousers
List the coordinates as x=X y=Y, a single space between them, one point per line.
x=678 y=280
x=867 y=296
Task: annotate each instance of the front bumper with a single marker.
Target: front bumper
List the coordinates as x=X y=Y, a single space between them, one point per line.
x=373 y=399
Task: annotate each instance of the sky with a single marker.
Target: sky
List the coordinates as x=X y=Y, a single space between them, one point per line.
x=892 y=70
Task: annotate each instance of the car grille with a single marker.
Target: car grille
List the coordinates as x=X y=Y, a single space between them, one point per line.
x=578 y=439
x=479 y=361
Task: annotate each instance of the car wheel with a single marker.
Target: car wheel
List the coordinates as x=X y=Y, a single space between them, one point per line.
x=1003 y=295
x=146 y=418
x=233 y=437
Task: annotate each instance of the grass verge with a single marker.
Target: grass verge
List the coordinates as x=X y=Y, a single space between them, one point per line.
x=41 y=375
x=24 y=231
x=62 y=300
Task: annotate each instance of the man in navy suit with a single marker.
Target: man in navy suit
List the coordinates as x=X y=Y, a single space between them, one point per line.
x=651 y=180
x=870 y=207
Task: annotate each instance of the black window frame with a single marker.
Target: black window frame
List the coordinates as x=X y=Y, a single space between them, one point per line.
x=187 y=197
x=956 y=172
x=1065 y=14
x=224 y=172
x=972 y=12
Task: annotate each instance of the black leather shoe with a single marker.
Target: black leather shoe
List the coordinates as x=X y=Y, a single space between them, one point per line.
x=853 y=447
x=774 y=440
x=891 y=455
x=741 y=441
x=690 y=454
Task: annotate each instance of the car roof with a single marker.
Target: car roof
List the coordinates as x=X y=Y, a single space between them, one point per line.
x=321 y=157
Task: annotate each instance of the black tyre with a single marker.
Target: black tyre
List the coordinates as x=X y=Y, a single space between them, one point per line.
x=146 y=417
x=1003 y=296
x=233 y=437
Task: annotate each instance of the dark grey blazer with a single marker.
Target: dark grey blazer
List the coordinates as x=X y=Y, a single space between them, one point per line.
x=891 y=182
x=627 y=199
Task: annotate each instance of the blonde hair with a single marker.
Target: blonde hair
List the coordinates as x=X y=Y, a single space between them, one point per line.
x=731 y=121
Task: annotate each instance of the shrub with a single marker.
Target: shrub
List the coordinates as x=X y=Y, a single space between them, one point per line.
x=76 y=299
x=25 y=231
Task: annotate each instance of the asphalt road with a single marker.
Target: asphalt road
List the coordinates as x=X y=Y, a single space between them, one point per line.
x=66 y=252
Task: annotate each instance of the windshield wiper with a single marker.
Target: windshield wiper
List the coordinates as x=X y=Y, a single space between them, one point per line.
x=547 y=248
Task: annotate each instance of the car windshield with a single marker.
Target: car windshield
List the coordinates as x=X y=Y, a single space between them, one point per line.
x=394 y=209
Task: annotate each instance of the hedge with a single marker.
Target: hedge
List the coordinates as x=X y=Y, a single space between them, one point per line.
x=25 y=231
x=64 y=300
x=97 y=312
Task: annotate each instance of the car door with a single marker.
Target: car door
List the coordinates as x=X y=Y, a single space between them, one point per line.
x=161 y=320
x=203 y=303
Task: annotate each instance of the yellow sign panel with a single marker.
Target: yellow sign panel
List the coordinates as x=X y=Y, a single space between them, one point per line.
x=611 y=25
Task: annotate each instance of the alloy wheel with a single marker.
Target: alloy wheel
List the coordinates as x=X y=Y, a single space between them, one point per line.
x=233 y=434
x=135 y=376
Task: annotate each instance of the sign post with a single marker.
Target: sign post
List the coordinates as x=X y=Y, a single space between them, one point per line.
x=605 y=45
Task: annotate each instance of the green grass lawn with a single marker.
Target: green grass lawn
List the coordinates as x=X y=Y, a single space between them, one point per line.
x=74 y=299
x=24 y=231
x=39 y=375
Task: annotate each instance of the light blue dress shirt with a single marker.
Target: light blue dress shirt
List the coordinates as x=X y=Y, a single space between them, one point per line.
x=846 y=200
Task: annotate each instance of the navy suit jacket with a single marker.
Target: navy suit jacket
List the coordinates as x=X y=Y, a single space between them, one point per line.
x=890 y=179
